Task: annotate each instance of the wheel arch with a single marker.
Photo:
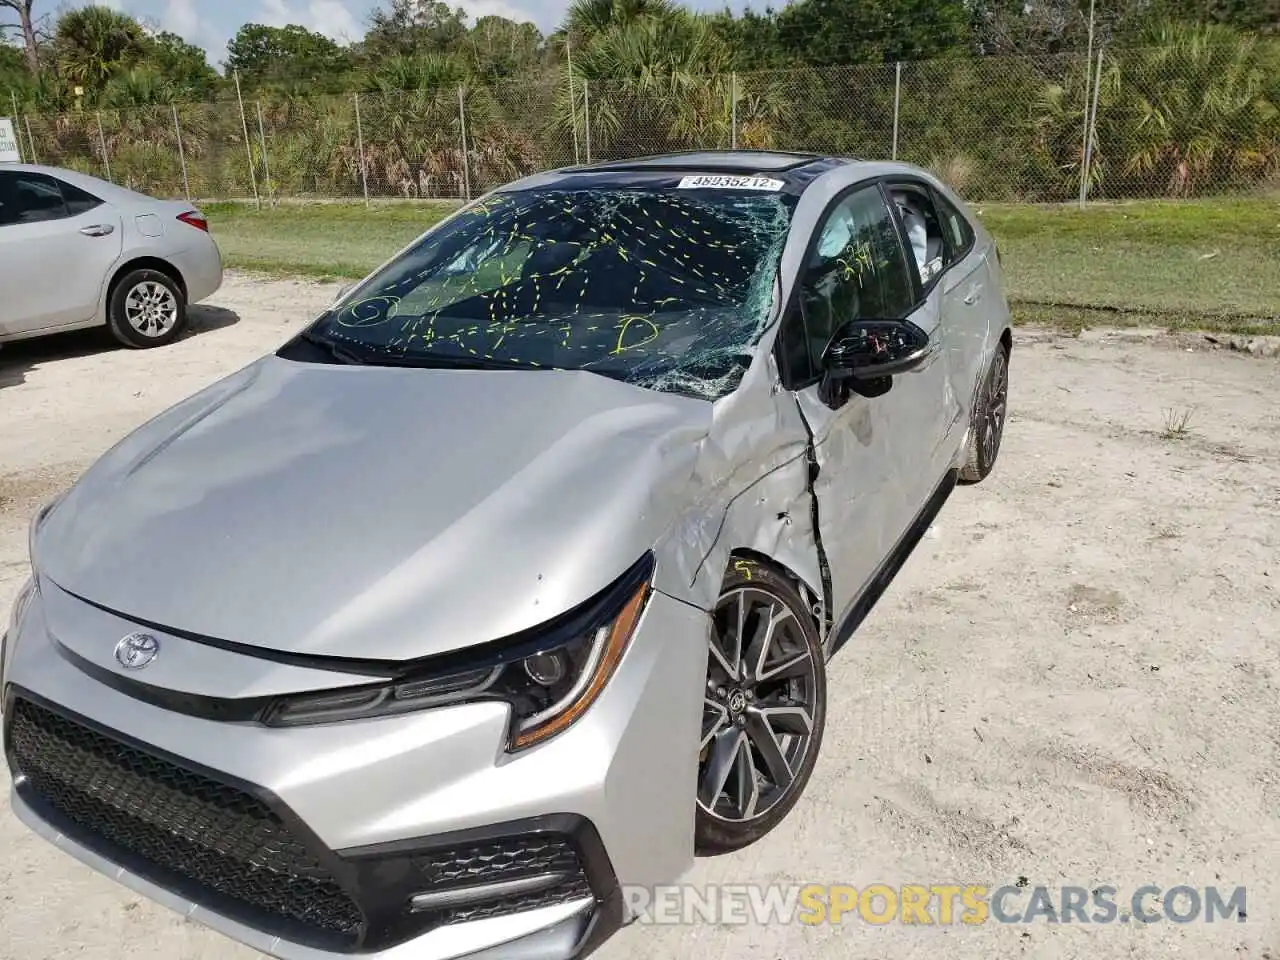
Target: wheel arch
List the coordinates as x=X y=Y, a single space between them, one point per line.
x=742 y=558
x=144 y=263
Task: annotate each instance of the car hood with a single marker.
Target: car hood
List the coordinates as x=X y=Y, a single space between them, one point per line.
x=374 y=512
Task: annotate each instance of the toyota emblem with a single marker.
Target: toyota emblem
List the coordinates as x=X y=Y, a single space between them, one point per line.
x=137 y=650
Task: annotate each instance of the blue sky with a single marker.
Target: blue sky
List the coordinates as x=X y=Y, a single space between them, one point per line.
x=211 y=23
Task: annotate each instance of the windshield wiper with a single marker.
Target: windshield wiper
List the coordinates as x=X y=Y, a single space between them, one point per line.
x=449 y=361
x=379 y=356
x=335 y=349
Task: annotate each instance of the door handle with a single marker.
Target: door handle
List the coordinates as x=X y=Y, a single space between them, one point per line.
x=98 y=230
x=974 y=295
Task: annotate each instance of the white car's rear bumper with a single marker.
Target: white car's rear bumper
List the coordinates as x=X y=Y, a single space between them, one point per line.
x=201 y=269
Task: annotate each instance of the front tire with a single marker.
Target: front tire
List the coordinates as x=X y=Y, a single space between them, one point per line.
x=146 y=309
x=763 y=711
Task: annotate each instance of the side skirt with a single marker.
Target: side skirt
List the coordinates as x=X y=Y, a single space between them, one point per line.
x=884 y=575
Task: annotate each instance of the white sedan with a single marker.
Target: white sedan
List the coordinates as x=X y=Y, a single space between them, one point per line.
x=76 y=252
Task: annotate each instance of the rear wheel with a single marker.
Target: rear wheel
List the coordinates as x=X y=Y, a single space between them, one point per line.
x=146 y=309
x=987 y=430
x=763 y=710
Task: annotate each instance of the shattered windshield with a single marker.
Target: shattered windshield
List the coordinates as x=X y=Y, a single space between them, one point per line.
x=665 y=288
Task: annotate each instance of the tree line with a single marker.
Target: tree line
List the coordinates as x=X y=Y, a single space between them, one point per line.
x=112 y=59
x=992 y=92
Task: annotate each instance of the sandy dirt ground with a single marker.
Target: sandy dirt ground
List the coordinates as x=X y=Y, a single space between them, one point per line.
x=1073 y=681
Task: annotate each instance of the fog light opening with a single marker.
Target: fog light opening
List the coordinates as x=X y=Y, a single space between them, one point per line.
x=479 y=893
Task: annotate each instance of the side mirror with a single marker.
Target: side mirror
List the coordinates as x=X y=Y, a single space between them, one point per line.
x=865 y=355
x=870 y=349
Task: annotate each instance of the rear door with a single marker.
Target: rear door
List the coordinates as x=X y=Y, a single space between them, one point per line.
x=970 y=299
x=57 y=246
x=878 y=456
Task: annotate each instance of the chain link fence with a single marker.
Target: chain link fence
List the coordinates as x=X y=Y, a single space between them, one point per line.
x=1148 y=122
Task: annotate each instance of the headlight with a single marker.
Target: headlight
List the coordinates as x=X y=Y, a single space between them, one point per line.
x=29 y=589
x=20 y=604
x=550 y=676
x=36 y=523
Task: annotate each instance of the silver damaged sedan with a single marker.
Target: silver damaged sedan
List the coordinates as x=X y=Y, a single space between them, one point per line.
x=508 y=585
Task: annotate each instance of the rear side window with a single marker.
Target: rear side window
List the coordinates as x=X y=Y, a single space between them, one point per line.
x=78 y=201
x=8 y=201
x=957 y=228
x=30 y=198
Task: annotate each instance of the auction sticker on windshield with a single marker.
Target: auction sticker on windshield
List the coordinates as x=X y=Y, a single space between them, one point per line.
x=705 y=182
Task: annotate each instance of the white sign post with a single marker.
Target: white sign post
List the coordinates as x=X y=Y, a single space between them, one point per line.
x=9 y=152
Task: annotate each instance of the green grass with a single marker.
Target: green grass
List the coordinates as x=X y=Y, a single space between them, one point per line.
x=1207 y=263
x=1210 y=264
x=344 y=240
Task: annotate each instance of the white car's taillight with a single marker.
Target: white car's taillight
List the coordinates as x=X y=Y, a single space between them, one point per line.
x=195 y=219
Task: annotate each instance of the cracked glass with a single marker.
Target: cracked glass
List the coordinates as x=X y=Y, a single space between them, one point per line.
x=665 y=288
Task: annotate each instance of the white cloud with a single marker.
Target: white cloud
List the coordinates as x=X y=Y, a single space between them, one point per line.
x=330 y=17
x=274 y=13
x=185 y=19
x=333 y=19
x=502 y=8
x=180 y=17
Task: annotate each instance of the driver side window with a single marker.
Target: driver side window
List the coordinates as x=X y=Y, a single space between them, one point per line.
x=857 y=270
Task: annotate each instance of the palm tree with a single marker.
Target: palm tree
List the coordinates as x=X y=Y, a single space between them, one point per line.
x=586 y=18
x=413 y=122
x=313 y=145
x=415 y=128
x=1192 y=108
x=137 y=87
x=665 y=78
x=92 y=43
x=1195 y=108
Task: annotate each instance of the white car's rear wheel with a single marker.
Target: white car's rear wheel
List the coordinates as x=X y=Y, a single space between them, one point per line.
x=146 y=309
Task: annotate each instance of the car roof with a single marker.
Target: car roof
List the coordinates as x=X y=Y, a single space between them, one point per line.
x=710 y=161
x=795 y=170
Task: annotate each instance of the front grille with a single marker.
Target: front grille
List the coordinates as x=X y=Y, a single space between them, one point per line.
x=135 y=806
x=508 y=858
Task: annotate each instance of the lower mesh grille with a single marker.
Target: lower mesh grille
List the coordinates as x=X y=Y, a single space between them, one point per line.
x=216 y=836
x=505 y=859
x=573 y=889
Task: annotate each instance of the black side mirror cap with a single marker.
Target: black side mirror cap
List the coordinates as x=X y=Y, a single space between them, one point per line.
x=873 y=349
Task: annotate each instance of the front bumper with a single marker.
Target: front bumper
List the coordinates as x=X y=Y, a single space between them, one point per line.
x=370 y=837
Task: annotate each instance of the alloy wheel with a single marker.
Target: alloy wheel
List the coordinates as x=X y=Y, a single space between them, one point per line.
x=996 y=405
x=151 y=308
x=759 y=706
